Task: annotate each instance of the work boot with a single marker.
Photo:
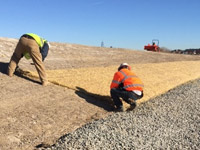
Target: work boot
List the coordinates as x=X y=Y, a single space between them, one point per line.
x=132 y=106
x=18 y=71
x=120 y=109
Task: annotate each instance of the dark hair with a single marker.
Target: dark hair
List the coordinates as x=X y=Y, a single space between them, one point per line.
x=122 y=67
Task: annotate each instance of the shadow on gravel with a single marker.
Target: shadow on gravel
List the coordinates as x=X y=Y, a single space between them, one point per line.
x=18 y=72
x=104 y=102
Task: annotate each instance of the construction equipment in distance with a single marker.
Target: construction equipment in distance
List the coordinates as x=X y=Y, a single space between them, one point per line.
x=154 y=47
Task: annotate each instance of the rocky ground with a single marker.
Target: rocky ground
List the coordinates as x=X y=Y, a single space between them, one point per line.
x=32 y=115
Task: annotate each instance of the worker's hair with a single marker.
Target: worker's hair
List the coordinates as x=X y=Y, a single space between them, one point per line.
x=122 y=67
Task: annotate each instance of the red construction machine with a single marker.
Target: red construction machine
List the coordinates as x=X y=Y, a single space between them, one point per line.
x=154 y=47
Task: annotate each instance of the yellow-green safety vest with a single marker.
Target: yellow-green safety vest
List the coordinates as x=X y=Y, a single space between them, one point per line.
x=40 y=41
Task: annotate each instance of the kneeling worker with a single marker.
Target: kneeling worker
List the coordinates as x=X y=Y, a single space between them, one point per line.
x=125 y=85
x=30 y=46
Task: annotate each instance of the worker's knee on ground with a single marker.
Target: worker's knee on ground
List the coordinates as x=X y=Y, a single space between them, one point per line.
x=112 y=92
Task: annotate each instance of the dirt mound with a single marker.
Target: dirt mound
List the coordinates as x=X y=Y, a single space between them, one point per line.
x=31 y=114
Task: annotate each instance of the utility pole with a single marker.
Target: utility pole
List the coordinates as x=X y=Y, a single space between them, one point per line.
x=102 y=44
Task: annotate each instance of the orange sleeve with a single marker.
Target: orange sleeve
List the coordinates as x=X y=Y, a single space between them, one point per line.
x=116 y=81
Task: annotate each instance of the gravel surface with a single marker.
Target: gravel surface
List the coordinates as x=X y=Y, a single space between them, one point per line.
x=170 y=121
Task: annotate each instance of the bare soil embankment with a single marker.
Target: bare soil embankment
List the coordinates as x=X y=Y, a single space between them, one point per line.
x=31 y=114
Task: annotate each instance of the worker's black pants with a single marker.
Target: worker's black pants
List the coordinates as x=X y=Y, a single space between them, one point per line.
x=127 y=96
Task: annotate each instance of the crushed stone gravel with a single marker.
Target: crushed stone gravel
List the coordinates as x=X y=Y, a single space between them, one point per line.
x=169 y=121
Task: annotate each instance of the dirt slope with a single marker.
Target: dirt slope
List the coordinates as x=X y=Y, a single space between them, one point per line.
x=31 y=114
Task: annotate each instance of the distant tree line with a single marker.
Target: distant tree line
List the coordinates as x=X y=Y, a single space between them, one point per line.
x=191 y=51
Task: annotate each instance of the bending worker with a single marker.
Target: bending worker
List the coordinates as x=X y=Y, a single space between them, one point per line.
x=30 y=46
x=126 y=85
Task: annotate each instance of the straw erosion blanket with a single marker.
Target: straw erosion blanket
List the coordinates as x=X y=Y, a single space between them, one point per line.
x=158 y=78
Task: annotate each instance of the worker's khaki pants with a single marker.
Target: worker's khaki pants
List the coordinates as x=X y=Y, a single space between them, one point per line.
x=30 y=46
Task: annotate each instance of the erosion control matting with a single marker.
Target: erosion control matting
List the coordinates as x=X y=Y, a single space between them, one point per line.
x=158 y=78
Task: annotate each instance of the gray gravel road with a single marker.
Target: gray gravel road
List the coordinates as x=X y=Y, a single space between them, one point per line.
x=170 y=121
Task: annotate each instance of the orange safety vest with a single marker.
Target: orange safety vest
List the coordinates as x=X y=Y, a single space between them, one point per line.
x=129 y=79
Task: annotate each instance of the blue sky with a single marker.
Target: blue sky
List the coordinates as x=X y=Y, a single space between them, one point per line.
x=118 y=23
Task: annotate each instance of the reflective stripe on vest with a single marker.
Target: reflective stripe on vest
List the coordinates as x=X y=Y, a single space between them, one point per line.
x=126 y=77
x=115 y=81
x=133 y=85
